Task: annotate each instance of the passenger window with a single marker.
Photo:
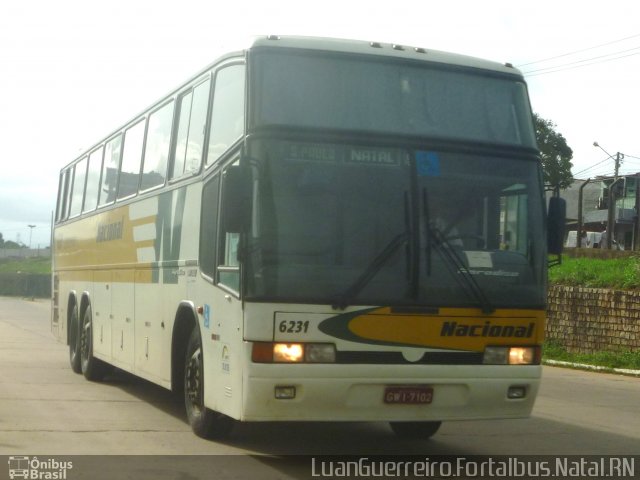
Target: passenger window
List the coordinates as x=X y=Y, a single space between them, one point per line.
x=79 y=177
x=209 y=226
x=156 y=152
x=109 y=177
x=68 y=192
x=131 y=158
x=227 y=117
x=60 y=195
x=191 y=129
x=93 y=180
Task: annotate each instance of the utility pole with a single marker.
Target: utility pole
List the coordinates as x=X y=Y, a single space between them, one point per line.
x=619 y=157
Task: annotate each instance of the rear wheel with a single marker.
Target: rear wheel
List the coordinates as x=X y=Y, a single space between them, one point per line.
x=415 y=430
x=205 y=422
x=74 y=341
x=92 y=368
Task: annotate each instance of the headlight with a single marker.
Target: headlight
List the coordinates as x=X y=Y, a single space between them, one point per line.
x=288 y=352
x=511 y=356
x=268 y=352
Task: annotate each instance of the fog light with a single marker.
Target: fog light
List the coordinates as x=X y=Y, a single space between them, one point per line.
x=285 y=393
x=517 y=391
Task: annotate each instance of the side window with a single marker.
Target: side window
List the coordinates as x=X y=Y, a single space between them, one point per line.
x=131 y=157
x=191 y=130
x=60 y=195
x=229 y=270
x=93 y=180
x=68 y=191
x=228 y=266
x=209 y=226
x=79 y=177
x=156 y=152
x=63 y=188
x=227 y=117
x=109 y=178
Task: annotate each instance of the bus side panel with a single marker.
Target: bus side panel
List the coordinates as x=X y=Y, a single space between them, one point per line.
x=102 y=315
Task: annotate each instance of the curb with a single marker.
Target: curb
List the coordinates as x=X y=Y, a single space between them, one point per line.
x=583 y=366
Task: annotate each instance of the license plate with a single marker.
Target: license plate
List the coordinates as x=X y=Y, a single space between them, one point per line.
x=408 y=395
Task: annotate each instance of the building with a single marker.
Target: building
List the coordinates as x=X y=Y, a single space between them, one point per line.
x=597 y=194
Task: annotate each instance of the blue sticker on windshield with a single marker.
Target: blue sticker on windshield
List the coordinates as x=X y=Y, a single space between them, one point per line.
x=428 y=164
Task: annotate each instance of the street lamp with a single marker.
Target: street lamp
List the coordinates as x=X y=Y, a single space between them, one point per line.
x=619 y=157
x=31 y=227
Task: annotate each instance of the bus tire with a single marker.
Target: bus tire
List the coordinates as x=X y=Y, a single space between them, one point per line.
x=415 y=430
x=204 y=422
x=74 y=340
x=92 y=368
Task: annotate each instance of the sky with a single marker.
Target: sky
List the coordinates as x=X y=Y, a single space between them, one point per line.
x=73 y=71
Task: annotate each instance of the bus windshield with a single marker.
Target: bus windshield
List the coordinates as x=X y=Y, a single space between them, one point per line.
x=356 y=93
x=352 y=224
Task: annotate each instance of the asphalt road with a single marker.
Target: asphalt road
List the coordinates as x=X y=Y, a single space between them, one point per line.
x=47 y=410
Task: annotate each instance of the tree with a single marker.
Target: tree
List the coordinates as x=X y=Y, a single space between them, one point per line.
x=555 y=153
x=1 y=240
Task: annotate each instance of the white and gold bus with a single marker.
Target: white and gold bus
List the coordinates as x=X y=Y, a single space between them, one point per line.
x=315 y=230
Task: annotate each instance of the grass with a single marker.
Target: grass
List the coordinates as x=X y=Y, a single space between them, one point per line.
x=615 y=273
x=627 y=359
x=26 y=265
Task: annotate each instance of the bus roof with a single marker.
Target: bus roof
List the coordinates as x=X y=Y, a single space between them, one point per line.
x=328 y=45
x=380 y=49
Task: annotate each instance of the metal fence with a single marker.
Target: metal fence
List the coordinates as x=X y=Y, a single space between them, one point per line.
x=30 y=285
x=24 y=252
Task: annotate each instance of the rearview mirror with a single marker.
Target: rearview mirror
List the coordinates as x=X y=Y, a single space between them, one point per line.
x=556 y=220
x=236 y=199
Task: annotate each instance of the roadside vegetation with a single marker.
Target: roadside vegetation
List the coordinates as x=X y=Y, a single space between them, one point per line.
x=626 y=360
x=26 y=265
x=615 y=273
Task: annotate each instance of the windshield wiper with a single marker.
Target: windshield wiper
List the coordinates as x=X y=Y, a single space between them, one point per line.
x=372 y=269
x=451 y=258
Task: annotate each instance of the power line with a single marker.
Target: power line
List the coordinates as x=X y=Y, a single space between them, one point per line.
x=578 y=51
x=592 y=166
x=561 y=68
x=585 y=60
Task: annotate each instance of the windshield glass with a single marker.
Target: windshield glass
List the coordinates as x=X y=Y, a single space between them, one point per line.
x=374 y=94
x=354 y=224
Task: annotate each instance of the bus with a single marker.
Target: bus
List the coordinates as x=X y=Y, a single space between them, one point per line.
x=315 y=229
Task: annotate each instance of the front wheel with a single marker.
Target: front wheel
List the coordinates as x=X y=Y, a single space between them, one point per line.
x=415 y=430
x=204 y=422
